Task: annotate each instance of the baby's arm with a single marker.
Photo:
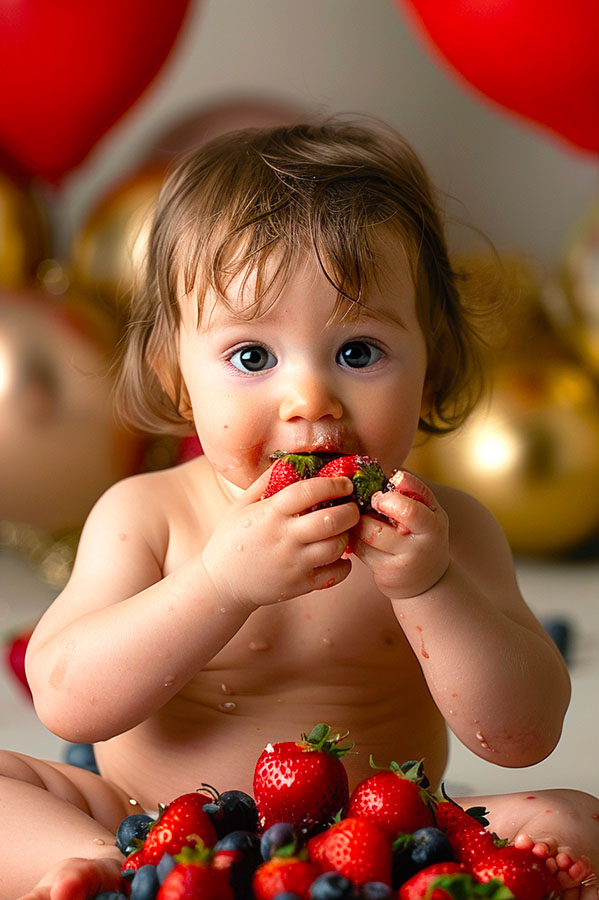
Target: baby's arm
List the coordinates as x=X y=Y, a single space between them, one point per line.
x=121 y=639
x=497 y=678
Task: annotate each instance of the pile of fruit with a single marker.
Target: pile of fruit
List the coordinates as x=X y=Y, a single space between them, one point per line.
x=303 y=836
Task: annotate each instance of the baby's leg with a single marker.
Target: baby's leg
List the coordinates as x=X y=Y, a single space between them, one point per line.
x=57 y=830
x=560 y=826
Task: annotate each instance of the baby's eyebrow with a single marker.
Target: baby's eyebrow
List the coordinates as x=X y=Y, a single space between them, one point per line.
x=381 y=315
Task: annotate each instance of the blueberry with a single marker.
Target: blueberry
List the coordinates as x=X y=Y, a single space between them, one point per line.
x=166 y=865
x=375 y=890
x=132 y=828
x=287 y=895
x=332 y=886
x=430 y=845
x=240 y=809
x=246 y=847
x=277 y=836
x=245 y=841
x=82 y=756
x=216 y=813
x=110 y=895
x=422 y=848
x=145 y=883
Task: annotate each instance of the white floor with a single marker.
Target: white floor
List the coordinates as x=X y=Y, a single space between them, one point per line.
x=566 y=589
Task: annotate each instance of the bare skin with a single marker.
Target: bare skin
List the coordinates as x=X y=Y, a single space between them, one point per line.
x=224 y=621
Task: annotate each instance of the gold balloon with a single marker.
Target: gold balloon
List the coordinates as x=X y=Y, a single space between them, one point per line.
x=60 y=444
x=23 y=235
x=531 y=454
x=580 y=279
x=109 y=250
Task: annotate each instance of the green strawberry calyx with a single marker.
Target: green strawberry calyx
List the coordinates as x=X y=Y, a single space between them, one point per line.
x=196 y=853
x=368 y=479
x=413 y=770
x=462 y=886
x=305 y=464
x=322 y=739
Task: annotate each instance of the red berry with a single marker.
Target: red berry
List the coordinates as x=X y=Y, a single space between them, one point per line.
x=355 y=848
x=289 y=468
x=393 y=799
x=281 y=874
x=301 y=782
x=181 y=823
x=365 y=473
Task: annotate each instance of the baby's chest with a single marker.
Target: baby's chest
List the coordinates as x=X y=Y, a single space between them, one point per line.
x=349 y=626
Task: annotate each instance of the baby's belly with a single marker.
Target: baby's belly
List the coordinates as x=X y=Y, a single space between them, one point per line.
x=216 y=739
x=336 y=656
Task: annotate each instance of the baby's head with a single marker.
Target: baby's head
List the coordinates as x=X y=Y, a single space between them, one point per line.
x=237 y=215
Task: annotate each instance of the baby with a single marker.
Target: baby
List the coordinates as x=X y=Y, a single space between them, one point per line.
x=298 y=297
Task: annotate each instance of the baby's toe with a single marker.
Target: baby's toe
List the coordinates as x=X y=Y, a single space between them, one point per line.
x=545 y=848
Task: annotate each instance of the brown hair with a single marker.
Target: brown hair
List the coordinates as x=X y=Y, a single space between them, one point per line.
x=261 y=195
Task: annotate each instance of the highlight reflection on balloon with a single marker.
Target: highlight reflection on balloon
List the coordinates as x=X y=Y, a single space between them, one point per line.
x=60 y=444
x=531 y=455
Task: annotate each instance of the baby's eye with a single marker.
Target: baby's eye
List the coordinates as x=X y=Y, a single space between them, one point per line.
x=358 y=355
x=254 y=358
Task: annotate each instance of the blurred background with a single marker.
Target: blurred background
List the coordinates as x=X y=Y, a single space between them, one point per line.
x=503 y=108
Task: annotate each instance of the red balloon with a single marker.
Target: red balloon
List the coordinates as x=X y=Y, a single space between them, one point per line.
x=70 y=69
x=538 y=58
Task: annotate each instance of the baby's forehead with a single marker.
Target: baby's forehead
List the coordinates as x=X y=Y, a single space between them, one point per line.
x=254 y=291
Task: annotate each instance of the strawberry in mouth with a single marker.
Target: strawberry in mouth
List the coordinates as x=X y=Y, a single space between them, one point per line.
x=364 y=472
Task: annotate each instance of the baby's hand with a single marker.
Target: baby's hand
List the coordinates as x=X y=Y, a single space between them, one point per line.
x=409 y=554
x=266 y=551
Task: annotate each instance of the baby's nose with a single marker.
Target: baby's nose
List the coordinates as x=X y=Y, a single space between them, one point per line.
x=309 y=397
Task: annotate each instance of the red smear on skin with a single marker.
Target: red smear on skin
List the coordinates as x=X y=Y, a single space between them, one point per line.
x=422 y=650
x=595 y=816
x=531 y=798
x=413 y=495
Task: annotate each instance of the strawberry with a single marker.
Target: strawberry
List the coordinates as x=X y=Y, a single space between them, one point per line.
x=365 y=473
x=195 y=878
x=355 y=848
x=289 y=468
x=302 y=782
x=420 y=885
x=180 y=823
x=446 y=880
x=395 y=799
x=465 y=830
x=284 y=874
x=15 y=658
x=526 y=876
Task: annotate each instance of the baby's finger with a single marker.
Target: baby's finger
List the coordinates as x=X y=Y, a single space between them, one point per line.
x=367 y=553
x=303 y=495
x=408 y=514
x=410 y=485
x=323 y=523
x=376 y=533
x=323 y=553
x=328 y=576
x=256 y=489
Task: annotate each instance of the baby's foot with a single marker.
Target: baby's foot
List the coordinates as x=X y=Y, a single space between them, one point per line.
x=78 y=879
x=573 y=872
